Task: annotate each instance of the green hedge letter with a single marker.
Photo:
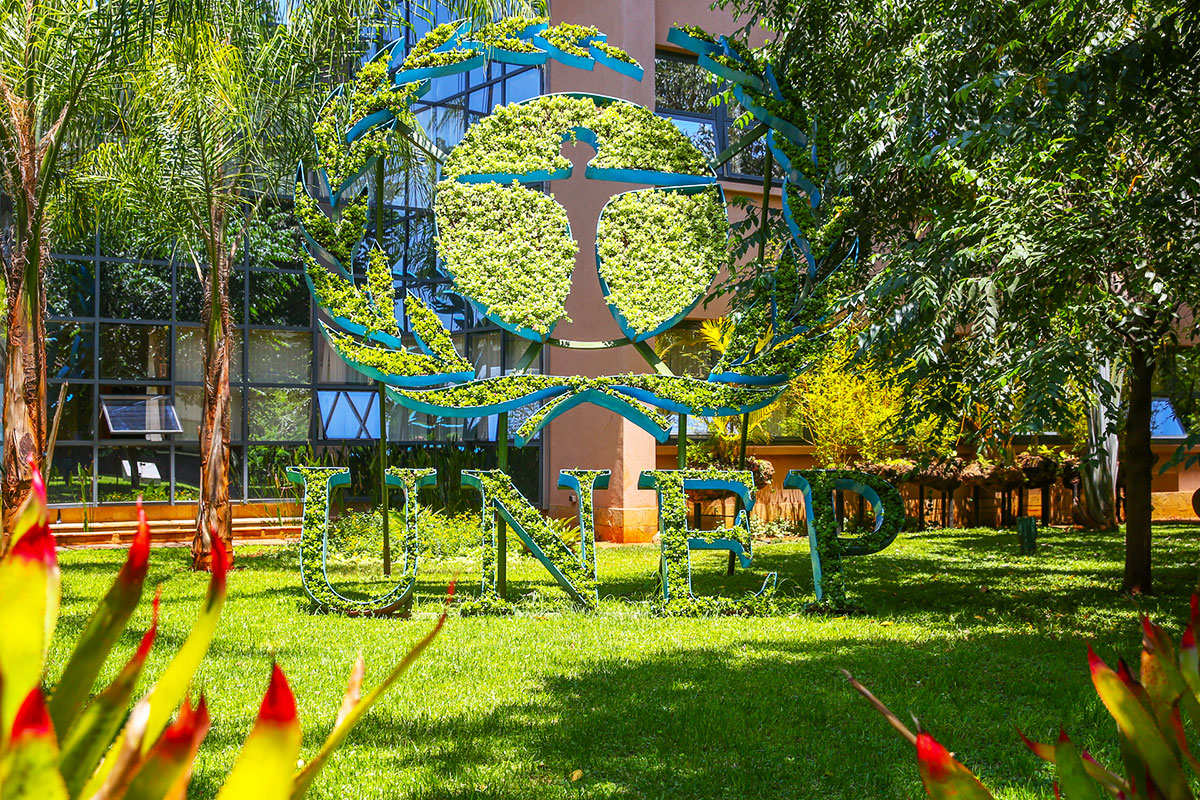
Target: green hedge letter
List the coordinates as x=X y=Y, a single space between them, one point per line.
x=319 y=483
x=584 y=482
x=569 y=568
x=677 y=542
x=826 y=546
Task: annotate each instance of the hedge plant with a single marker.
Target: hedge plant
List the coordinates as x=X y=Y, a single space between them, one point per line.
x=346 y=301
x=570 y=38
x=526 y=137
x=821 y=516
x=615 y=52
x=658 y=251
x=509 y=249
x=677 y=540
x=571 y=569
x=319 y=483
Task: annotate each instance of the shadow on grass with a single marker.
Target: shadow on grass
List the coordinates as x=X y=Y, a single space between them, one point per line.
x=751 y=719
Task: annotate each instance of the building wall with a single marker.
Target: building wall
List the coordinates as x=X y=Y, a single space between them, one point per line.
x=590 y=437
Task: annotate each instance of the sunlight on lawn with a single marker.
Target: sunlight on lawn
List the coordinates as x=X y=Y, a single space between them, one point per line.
x=960 y=631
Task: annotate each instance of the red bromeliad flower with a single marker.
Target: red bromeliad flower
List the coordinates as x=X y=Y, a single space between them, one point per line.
x=138 y=561
x=935 y=761
x=148 y=637
x=33 y=719
x=36 y=545
x=190 y=725
x=221 y=559
x=278 y=704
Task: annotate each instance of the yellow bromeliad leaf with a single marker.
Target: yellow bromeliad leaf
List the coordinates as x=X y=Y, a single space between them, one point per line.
x=268 y=759
x=29 y=588
x=170 y=689
x=1136 y=723
x=106 y=625
x=166 y=769
x=30 y=767
x=84 y=742
x=945 y=778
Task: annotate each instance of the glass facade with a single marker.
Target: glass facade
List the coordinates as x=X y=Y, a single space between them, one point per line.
x=130 y=326
x=685 y=93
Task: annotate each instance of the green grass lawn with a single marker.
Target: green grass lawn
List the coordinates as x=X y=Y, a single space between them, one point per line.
x=960 y=631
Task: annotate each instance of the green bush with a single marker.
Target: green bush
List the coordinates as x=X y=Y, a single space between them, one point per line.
x=357 y=536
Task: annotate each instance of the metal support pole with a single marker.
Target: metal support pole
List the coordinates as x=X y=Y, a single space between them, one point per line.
x=384 y=507
x=501 y=526
x=380 y=176
x=681 y=439
x=764 y=204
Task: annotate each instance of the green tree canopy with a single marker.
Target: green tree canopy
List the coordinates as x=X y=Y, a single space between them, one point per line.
x=1026 y=181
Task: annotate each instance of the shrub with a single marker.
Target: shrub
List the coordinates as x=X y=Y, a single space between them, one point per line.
x=358 y=535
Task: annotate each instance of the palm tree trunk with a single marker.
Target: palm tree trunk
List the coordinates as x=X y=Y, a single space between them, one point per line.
x=214 y=516
x=25 y=379
x=1139 y=471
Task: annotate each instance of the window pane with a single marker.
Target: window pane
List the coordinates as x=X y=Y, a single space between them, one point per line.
x=515 y=348
x=279 y=298
x=681 y=86
x=150 y=415
x=454 y=311
x=187 y=473
x=485 y=354
x=189 y=354
x=266 y=467
x=189 y=405
x=70 y=289
x=701 y=134
x=405 y=425
x=332 y=369
x=121 y=482
x=445 y=125
x=684 y=350
x=750 y=161
x=70 y=348
x=280 y=356
x=76 y=419
x=70 y=478
x=348 y=414
x=272 y=241
x=279 y=414
x=135 y=290
x=189 y=297
x=522 y=86
x=135 y=351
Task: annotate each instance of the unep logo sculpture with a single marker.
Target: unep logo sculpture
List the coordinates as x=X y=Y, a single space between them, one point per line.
x=509 y=251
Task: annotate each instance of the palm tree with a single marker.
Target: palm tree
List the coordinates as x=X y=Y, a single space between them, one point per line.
x=57 y=61
x=218 y=112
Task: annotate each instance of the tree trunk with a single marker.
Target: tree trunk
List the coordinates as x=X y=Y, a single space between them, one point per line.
x=1139 y=471
x=214 y=514
x=24 y=386
x=1098 y=472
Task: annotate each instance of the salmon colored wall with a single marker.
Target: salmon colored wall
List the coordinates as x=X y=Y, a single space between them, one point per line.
x=590 y=437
